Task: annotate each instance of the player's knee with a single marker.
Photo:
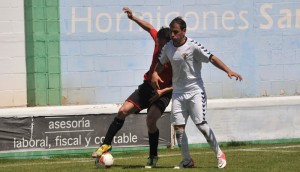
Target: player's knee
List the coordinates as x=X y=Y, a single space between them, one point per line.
x=203 y=128
x=151 y=120
x=122 y=113
x=151 y=124
x=179 y=127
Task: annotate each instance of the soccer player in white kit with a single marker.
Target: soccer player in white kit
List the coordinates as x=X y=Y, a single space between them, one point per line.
x=189 y=98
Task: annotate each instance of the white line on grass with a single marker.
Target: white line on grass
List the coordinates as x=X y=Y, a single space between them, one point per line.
x=84 y=160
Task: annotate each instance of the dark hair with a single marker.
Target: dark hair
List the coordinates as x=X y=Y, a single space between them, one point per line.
x=179 y=21
x=164 y=33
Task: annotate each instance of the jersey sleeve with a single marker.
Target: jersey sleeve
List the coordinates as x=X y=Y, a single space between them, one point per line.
x=202 y=52
x=153 y=34
x=163 y=58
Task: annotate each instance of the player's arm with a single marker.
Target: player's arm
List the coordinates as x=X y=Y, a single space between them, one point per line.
x=162 y=59
x=155 y=80
x=160 y=93
x=143 y=24
x=219 y=64
x=164 y=91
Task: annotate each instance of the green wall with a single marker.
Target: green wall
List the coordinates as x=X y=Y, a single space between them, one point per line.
x=42 y=52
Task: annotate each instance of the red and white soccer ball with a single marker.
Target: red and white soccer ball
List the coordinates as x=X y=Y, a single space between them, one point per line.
x=106 y=159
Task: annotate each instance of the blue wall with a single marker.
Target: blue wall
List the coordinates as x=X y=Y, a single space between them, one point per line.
x=104 y=55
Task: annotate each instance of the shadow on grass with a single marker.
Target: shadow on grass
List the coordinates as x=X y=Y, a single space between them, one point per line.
x=235 y=144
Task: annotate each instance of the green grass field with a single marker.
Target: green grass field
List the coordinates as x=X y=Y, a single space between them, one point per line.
x=240 y=157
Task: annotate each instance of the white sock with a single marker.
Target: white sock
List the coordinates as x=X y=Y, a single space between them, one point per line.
x=210 y=138
x=183 y=144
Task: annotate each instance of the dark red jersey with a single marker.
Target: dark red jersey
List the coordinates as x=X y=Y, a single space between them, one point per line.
x=166 y=74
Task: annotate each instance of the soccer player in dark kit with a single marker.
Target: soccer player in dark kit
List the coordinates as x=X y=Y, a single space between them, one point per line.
x=145 y=97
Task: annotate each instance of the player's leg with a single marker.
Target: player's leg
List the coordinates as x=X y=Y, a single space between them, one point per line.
x=182 y=141
x=126 y=109
x=154 y=113
x=134 y=103
x=212 y=141
x=179 y=118
x=198 y=111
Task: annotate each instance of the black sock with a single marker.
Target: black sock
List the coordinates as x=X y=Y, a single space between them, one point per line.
x=114 y=127
x=153 y=142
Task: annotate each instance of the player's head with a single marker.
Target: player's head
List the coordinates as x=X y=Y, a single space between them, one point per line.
x=163 y=36
x=178 y=30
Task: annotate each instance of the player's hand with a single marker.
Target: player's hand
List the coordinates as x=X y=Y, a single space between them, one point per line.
x=236 y=75
x=158 y=93
x=156 y=80
x=128 y=11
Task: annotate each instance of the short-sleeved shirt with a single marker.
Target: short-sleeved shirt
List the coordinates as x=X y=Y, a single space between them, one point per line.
x=186 y=61
x=166 y=74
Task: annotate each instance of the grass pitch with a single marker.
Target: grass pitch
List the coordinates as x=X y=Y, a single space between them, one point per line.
x=240 y=157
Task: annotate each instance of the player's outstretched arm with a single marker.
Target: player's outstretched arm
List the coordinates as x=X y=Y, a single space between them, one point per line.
x=219 y=64
x=143 y=24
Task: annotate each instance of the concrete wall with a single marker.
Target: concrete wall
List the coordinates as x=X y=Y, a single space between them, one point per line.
x=249 y=119
x=12 y=54
x=42 y=52
x=104 y=55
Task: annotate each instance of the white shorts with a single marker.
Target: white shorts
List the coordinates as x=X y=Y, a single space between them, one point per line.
x=188 y=104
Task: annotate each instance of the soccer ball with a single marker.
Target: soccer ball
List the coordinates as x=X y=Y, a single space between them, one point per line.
x=105 y=160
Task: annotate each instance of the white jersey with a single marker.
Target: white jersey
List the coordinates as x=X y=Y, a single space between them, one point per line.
x=186 y=62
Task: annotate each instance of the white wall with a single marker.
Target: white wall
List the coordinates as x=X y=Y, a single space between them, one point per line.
x=12 y=54
x=251 y=119
x=246 y=119
x=104 y=56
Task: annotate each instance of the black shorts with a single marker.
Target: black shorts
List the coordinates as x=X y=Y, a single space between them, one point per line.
x=141 y=98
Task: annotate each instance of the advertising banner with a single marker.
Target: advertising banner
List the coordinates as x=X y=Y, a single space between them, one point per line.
x=78 y=131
